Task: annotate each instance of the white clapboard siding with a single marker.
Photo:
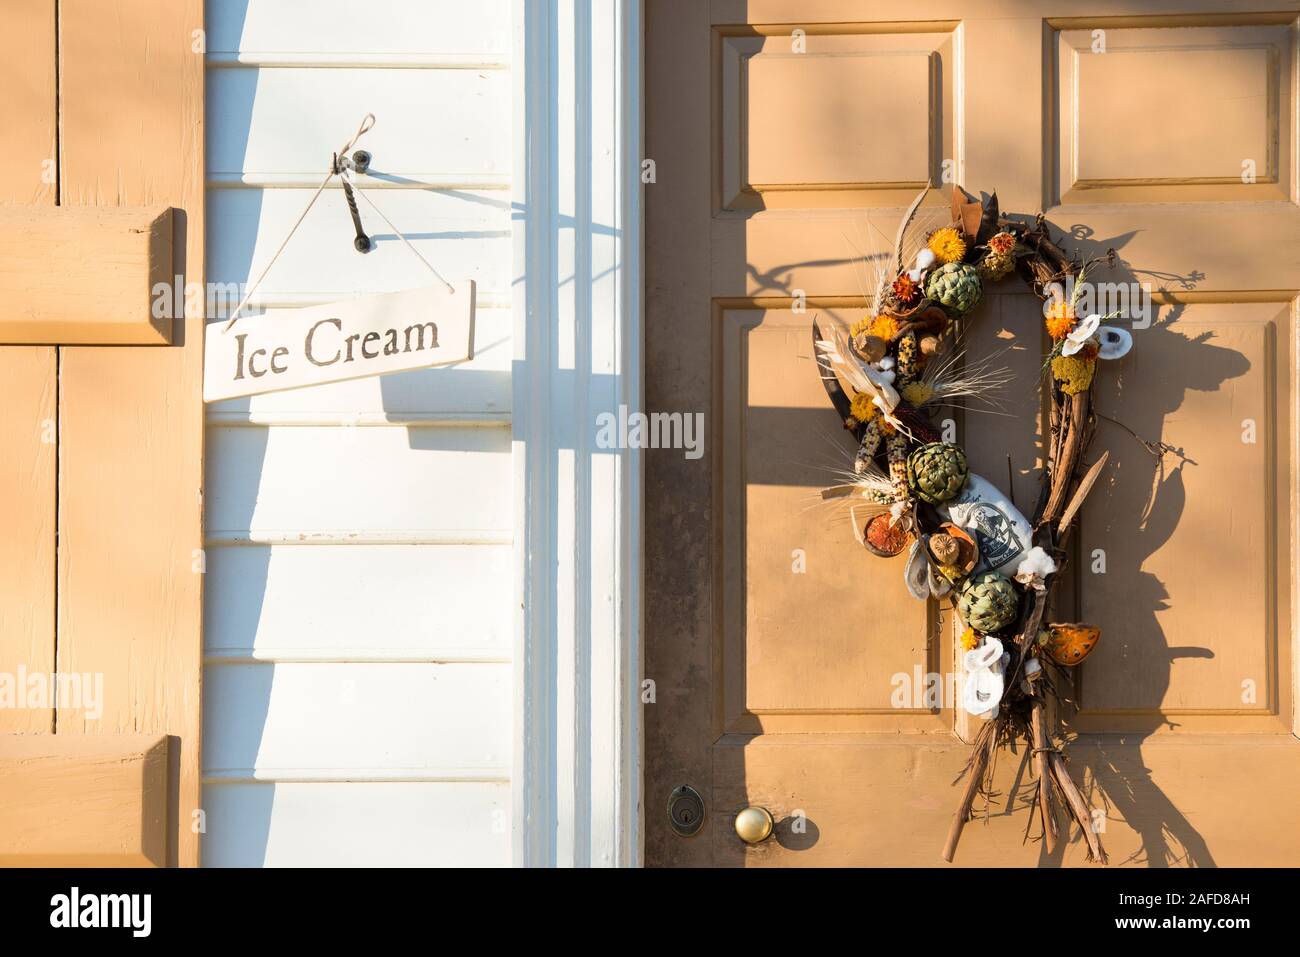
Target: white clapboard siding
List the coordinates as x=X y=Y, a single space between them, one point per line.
x=380 y=824
x=463 y=235
x=452 y=27
x=477 y=391
x=426 y=121
x=346 y=721
x=444 y=485
x=360 y=589
x=368 y=603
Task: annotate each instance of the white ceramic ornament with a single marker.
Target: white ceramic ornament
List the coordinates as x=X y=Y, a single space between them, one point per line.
x=983 y=694
x=986 y=655
x=1115 y=342
x=985 y=678
x=1083 y=330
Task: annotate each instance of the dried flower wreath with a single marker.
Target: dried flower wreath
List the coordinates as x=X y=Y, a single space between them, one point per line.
x=885 y=375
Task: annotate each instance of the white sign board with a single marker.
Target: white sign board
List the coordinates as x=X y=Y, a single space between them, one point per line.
x=351 y=339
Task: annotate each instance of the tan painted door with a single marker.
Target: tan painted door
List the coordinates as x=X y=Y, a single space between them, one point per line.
x=786 y=137
x=101 y=445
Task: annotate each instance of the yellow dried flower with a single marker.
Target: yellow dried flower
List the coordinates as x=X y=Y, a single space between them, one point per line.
x=969 y=639
x=918 y=393
x=862 y=408
x=1074 y=374
x=884 y=326
x=947 y=245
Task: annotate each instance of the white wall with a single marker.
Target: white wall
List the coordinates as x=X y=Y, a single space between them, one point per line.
x=359 y=611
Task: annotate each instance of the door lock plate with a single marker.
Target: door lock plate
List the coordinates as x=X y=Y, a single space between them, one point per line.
x=685 y=810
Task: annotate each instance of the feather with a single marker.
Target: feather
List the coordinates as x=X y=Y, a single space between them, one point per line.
x=902 y=227
x=832 y=385
x=861 y=376
x=886 y=276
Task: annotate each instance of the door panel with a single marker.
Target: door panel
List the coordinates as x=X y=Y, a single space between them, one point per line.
x=797 y=655
x=791 y=665
x=1195 y=586
x=799 y=116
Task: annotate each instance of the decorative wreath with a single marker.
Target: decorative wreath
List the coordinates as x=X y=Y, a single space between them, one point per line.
x=967 y=540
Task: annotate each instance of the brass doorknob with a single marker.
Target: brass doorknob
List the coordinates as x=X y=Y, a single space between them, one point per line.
x=754 y=825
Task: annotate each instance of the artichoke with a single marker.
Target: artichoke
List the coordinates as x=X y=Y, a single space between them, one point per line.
x=955 y=286
x=937 y=472
x=988 y=602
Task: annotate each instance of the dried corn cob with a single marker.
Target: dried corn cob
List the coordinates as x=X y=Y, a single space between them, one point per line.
x=871 y=436
x=909 y=360
x=896 y=453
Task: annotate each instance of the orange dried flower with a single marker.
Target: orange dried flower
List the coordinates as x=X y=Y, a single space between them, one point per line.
x=1059 y=319
x=1002 y=243
x=906 y=289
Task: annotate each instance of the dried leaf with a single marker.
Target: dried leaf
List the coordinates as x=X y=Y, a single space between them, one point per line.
x=1085 y=486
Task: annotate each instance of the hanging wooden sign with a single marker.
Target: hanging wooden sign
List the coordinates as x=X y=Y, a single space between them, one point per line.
x=291 y=348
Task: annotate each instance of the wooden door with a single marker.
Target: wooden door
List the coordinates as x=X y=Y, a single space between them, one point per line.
x=785 y=138
x=101 y=439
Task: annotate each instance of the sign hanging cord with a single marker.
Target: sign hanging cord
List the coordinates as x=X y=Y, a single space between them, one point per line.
x=367 y=123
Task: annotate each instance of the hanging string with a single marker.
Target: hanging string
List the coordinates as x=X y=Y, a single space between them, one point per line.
x=367 y=123
x=346 y=176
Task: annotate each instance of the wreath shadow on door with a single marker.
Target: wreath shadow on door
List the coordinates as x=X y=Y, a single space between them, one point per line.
x=1117 y=771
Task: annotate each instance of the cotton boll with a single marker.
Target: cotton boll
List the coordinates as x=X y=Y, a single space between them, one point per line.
x=885 y=364
x=1036 y=564
x=887 y=376
x=925 y=259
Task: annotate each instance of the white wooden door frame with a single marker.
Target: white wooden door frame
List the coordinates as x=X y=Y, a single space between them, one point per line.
x=578 y=353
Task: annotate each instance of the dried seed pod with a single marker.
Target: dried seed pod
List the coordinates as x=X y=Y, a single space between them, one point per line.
x=929 y=345
x=870 y=348
x=944 y=548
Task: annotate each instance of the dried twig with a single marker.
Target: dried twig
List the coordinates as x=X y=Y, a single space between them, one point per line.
x=1157 y=449
x=1041 y=750
x=982 y=750
x=1077 y=806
